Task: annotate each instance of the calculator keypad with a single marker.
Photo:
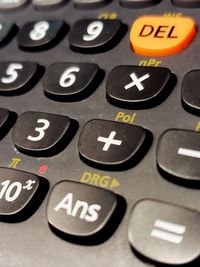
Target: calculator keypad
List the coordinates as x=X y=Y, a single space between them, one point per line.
x=128 y=74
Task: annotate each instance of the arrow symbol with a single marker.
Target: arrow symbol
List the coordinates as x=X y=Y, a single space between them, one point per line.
x=114 y=183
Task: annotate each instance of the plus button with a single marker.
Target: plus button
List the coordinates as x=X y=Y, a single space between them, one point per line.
x=109 y=141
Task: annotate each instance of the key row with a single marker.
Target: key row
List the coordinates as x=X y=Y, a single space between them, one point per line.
x=126 y=86
x=87 y=4
x=147 y=37
x=106 y=144
x=88 y=35
x=83 y=214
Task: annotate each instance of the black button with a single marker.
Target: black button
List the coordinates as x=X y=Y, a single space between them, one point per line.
x=187 y=3
x=10 y=4
x=6 y=31
x=94 y=35
x=47 y=4
x=109 y=143
x=7 y=120
x=4 y=114
x=134 y=86
x=40 y=34
x=85 y=4
x=190 y=91
x=17 y=190
x=165 y=233
x=178 y=154
x=39 y=133
x=16 y=77
x=69 y=81
x=78 y=209
x=138 y=3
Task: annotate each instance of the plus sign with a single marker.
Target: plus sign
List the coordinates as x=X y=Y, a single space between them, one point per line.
x=136 y=81
x=109 y=141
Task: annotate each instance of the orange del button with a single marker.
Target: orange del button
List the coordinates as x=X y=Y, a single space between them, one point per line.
x=161 y=36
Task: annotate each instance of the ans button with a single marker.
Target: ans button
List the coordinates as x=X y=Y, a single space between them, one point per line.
x=161 y=36
x=79 y=210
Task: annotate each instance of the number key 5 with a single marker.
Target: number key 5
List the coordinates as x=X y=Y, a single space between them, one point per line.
x=16 y=76
x=41 y=134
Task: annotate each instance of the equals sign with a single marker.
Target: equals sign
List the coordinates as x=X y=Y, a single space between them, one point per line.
x=168 y=231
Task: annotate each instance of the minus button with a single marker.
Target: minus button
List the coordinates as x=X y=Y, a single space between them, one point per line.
x=189 y=152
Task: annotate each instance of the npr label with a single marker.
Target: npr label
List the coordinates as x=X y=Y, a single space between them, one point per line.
x=79 y=209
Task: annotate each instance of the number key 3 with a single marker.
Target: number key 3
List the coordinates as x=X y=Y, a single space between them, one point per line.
x=95 y=35
x=40 y=34
x=41 y=134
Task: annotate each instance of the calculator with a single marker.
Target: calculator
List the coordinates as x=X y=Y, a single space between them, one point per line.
x=99 y=140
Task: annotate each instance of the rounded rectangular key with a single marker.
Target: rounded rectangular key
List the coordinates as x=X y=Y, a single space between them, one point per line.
x=38 y=35
x=20 y=193
x=165 y=233
x=6 y=31
x=9 y=4
x=190 y=91
x=110 y=144
x=40 y=4
x=40 y=133
x=187 y=3
x=85 y=4
x=93 y=36
x=79 y=210
x=178 y=155
x=135 y=86
x=161 y=36
x=17 y=77
x=70 y=80
x=138 y=3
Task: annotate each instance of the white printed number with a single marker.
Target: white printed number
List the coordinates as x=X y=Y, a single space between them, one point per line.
x=39 y=31
x=12 y=73
x=68 y=77
x=94 y=29
x=10 y=191
x=40 y=130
